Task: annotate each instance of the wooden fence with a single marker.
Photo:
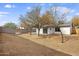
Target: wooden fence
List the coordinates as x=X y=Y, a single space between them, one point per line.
x=12 y=31
x=6 y=30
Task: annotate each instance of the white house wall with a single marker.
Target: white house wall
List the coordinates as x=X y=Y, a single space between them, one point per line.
x=35 y=32
x=65 y=30
x=51 y=30
x=40 y=32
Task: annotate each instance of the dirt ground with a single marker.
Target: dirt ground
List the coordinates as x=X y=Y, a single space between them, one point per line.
x=70 y=45
x=11 y=45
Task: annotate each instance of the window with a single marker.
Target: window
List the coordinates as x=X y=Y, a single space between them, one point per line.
x=44 y=30
x=50 y=28
x=33 y=30
x=57 y=29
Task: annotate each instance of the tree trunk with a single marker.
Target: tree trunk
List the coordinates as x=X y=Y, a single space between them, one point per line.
x=62 y=41
x=30 y=31
x=38 y=31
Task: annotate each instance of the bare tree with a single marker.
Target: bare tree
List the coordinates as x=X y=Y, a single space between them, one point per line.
x=23 y=22
x=32 y=18
x=59 y=18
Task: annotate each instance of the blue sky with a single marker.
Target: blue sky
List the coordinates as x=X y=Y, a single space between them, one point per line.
x=10 y=12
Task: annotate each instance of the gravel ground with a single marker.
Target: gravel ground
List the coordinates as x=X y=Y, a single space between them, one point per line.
x=10 y=45
x=70 y=45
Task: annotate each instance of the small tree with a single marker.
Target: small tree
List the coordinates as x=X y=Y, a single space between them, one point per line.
x=58 y=17
x=10 y=25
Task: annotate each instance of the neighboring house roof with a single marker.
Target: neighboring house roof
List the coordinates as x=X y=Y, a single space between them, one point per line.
x=21 y=27
x=64 y=25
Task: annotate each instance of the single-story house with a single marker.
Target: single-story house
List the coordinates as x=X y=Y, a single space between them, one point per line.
x=49 y=29
x=21 y=30
x=44 y=30
x=66 y=29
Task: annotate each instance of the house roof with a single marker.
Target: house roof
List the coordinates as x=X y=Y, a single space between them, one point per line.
x=64 y=25
x=48 y=26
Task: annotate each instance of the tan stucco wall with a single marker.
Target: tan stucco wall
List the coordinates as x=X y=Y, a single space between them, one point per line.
x=77 y=30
